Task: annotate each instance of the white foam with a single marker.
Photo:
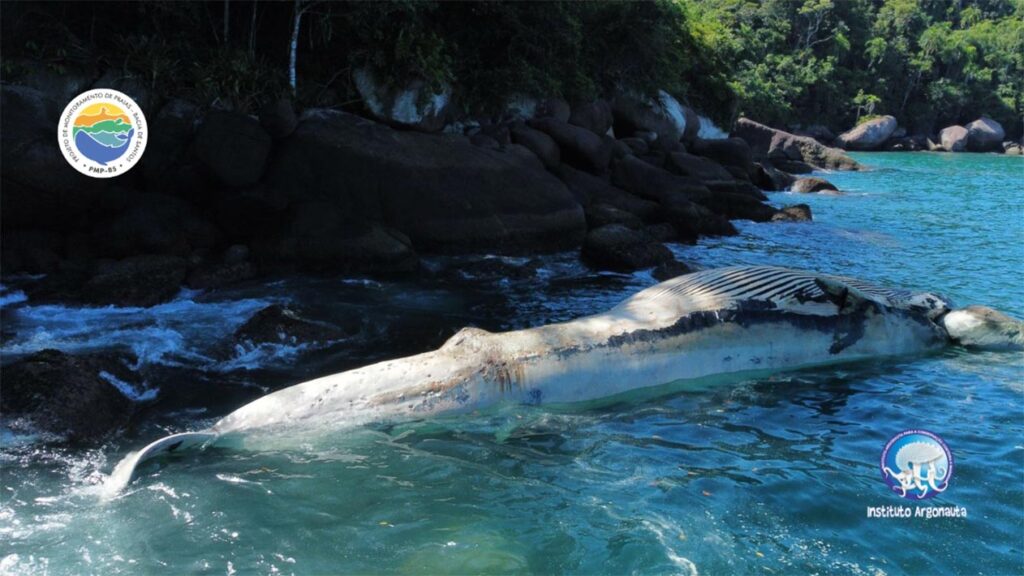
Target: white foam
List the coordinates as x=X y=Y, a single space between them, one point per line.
x=709 y=131
x=128 y=390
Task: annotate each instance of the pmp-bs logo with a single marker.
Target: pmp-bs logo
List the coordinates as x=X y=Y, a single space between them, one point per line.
x=917 y=464
x=102 y=133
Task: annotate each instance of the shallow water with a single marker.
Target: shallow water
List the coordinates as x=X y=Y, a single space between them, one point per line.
x=767 y=475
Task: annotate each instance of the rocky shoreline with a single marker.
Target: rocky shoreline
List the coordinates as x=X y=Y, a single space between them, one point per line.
x=884 y=134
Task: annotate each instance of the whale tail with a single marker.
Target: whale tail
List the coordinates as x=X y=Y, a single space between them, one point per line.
x=127 y=468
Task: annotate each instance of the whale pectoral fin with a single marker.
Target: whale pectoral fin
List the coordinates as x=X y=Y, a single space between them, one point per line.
x=127 y=469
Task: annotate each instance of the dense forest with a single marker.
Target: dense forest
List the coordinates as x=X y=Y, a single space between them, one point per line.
x=930 y=63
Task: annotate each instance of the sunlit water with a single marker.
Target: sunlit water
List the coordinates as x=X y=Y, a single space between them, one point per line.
x=769 y=475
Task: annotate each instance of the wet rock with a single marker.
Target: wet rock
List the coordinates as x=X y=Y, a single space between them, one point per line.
x=812 y=184
x=234 y=147
x=662 y=232
x=984 y=135
x=1013 y=148
x=599 y=215
x=539 y=143
x=73 y=396
x=411 y=104
x=779 y=147
x=737 y=206
x=869 y=135
x=144 y=280
x=953 y=138
x=646 y=181
x=794 y=213
x=670 y=270
x=819 y=132
x=277 y=324
x=733 y=154
x=595 y=116
x=771 y=178
x=579 y=146
x=615 y=247
x=218 y=275
x=278 y=118
x=906 y=144
x=692 y=220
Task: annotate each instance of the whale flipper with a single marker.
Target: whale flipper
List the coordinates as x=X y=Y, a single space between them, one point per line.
x=126 y=469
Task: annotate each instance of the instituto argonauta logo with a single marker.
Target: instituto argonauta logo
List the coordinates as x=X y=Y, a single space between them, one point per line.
x=102 y=133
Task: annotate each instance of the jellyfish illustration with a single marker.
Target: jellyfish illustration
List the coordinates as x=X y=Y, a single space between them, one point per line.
x=913 y=460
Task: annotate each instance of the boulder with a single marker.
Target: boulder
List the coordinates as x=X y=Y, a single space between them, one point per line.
x=785 y=148
x=732 y=153
x=661 y=114
x=155 y=223
x=737 y=206
x=953 y=138
x=646 y=181
x=219 y=274
x=61 y=83
x=554 y=108
x=615 y=247
x=693 y=126
x=318 y=237
x=277 y=324
x=639 y=146
x=868 y=135
x=662 y=232
x=580 y=147
x=707 y=171
x=1013 y=148
x=591 y=189
x=771 y=178
x=692 y=220
x=906 y=144
x=669 y=270
x=600 y=214
x=33 y=251
x=234 y=147
x=539 y=143
x=74 y=396
x=144 y=280
x=819 y=132
x=812 y=184
x=135 y=85
x=595 y=116
x=794 y=213
x=984 y=135
x=278 y=118
x=440 y=190
x=409 y=105
x=171 y=132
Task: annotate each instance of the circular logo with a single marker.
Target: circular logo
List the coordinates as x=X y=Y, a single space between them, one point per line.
x=917 y=464
x=102 y=133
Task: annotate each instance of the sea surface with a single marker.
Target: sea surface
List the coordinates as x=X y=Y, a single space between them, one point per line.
x=771 y=475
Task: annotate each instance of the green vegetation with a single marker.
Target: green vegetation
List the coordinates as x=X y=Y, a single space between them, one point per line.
x=834 y=62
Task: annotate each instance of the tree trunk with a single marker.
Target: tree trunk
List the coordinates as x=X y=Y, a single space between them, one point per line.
x=296 y=22
x=227 y=20
x=252 y=29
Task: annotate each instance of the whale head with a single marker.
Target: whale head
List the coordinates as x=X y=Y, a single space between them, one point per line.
x=982 y=327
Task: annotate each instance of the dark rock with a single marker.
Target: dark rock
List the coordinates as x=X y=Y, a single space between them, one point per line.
x=236 y=254
x=499 y=132
x=642 y=179
x=170 y=134
x=61 y=83
x=251 y=212
x=135 y=86
x=580 y=147
x=793 y=166
x=670 y=270
x=812 y=184
x=703 y=169
x=484 y=141
x=954 y=138
x=277 y=324
x=33 y=251
x=692 y=131
x=1013 y=148
x=554 y=108
x=591 y=189
x=663 y=115
x=411 y=104
x=218 y=275
x=69 y=395
x=662 y=232
x=234 y=147
x=771 y=178
x=539 y=143
x=984 y=135
x=738 y=206
x=136 y=281
x=795 y=213
x=319 y=237
x=906 y=144
x=637 y=145
x=615 y=247
x=868 y=135
x=603 y=214
x=692 y=220
x=819 y=132
x=278 y=118
x=732 y=153
x=778 y=146
x=620 y=150
x=440 y=190
x=595 y=116
x=155 y=223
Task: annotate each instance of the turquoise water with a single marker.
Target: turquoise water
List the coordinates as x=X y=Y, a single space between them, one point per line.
x=769 y=475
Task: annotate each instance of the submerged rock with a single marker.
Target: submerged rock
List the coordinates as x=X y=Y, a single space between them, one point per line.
x=144 y=280
x=813 y=184
x=794 y=213
x=279 y=324
x=79 y=397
